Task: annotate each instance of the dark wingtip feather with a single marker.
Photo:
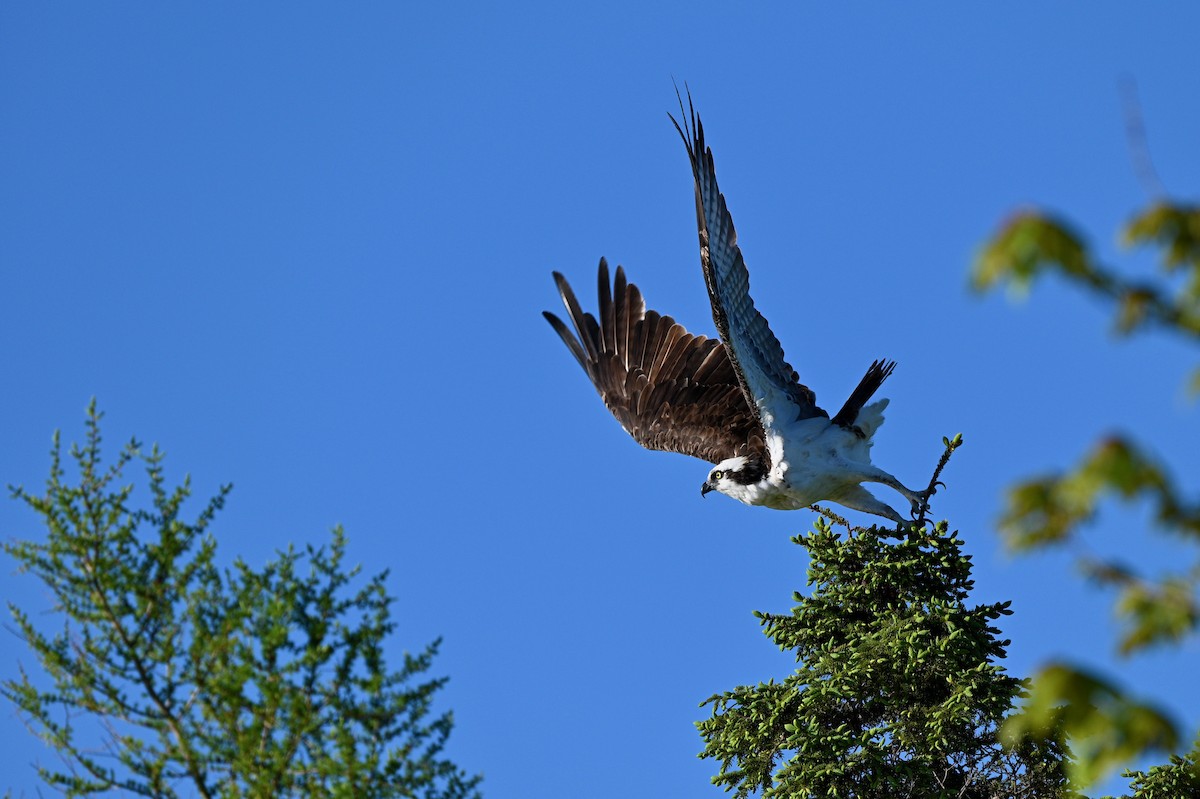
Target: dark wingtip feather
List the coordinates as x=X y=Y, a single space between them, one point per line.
x=689 y=131
x=606 y=313
x=578 y=317
x=621 y=312
x=568 y=338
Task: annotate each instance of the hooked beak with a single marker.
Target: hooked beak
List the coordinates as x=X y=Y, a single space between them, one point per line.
x=704 y=489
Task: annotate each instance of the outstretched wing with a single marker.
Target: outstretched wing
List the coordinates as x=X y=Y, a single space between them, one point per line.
x=670 y=390
x=769 y=382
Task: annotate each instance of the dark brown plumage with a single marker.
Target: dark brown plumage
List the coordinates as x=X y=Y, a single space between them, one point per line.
x=670 y=390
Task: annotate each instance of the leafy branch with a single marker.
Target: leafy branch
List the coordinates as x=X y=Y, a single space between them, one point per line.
x=173 y=676
x=1106 y=726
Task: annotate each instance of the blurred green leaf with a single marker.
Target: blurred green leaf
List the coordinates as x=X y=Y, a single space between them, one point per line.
x=1028 y=244
x=1173 y=228
x=1034 y=242
x=1105 y=727
x=1108 y=572
x=1050 y=509
x=1133 y=307
x=1156 y=613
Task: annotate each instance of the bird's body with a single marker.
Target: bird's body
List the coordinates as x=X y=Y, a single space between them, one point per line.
x=819 y=461
x=734 y=402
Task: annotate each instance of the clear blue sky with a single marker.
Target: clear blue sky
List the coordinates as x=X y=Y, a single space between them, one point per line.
x=305 y=248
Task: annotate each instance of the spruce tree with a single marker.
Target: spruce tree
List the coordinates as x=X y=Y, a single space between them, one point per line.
x=898 y=692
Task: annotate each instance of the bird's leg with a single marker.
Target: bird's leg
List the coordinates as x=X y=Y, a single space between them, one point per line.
x=919 y=500
x=858 y=498
x=919 y=518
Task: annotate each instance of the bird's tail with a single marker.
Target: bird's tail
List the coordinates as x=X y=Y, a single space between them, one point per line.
x=869 y=419
x=853 y=414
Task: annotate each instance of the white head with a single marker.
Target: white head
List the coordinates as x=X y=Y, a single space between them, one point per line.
x=739 y=477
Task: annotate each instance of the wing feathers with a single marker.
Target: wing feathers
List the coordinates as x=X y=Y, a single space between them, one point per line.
x=666 y=340
x=672 y=364
x=568 y=339
x=641 y=334
x=578 y=318
x=674 y=391
x=669 y=389
x=621 y=294
x=754 y=352
x=607 y=315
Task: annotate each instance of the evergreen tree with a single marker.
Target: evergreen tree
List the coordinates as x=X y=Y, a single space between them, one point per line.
x=898 y=692
x=174 y=677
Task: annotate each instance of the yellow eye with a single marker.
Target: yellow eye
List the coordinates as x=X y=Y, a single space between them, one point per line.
x=717 y=474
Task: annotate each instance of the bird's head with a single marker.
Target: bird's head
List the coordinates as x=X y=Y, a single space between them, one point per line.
x=734 y=477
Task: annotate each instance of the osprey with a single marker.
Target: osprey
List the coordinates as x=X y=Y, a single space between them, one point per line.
x=734 y=402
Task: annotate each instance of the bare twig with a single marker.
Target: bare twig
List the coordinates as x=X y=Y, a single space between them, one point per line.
x=1135 y=136
x=951 y=445
x=833 y=517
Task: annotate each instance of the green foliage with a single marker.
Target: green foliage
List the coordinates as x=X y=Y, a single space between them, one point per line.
x=1178 y=779
x=174 y=677
x=1031 y=244
x=898 y=692
x=1106 y=727
x=1051 y=509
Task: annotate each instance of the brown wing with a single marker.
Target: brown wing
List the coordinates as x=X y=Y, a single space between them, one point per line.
x=757 y=356
x=670 y=390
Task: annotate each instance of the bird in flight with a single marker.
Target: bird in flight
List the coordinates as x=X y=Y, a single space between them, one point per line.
x=732 y=401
